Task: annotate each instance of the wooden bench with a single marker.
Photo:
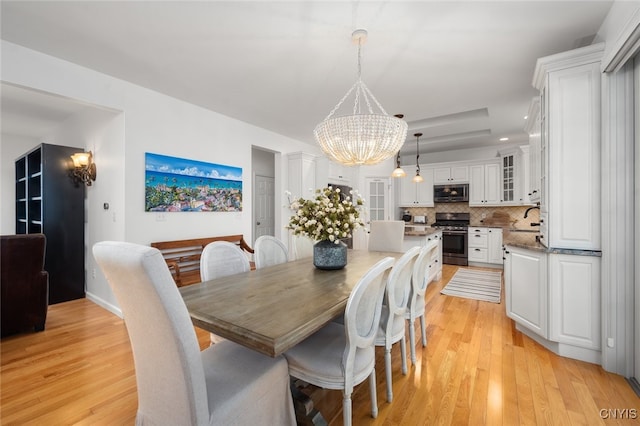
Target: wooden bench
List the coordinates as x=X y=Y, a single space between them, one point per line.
x=183 y=256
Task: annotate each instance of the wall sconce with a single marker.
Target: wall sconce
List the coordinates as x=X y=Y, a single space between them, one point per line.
x=84 y=169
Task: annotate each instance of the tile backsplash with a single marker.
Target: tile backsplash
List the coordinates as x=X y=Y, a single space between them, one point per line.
x=516 y=213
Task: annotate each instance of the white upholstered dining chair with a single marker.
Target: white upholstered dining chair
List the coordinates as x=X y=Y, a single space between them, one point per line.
x=268 y=251
x=422 y=276
x=343 y=356
x=392 y=326
x=386 y=235
x=220 y=259
x=302 y=247
x=226 y=384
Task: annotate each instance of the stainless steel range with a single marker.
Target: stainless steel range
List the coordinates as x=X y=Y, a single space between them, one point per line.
x=454 y=237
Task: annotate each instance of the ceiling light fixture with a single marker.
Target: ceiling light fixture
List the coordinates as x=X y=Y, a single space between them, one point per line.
x=417 y=178
x=364 y=137
x=398 y=172
x=504 y=139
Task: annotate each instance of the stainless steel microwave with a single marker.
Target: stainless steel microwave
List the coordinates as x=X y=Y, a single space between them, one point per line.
x=451 y=193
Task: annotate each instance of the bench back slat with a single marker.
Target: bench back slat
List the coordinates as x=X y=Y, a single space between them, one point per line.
x=183 y=256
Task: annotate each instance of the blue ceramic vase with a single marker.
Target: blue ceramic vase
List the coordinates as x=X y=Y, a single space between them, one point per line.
x=329 y=255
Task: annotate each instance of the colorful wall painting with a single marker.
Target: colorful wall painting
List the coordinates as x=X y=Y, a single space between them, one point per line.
x=179 y=185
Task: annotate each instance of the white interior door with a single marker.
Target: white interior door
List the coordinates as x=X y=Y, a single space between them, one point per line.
x=264 y=206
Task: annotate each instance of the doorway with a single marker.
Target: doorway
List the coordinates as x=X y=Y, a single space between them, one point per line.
x=263 y=209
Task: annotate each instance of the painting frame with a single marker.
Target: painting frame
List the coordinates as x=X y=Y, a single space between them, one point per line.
x=174 y=184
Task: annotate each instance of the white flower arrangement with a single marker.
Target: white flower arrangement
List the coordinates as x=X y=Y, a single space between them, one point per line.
x=326 y=217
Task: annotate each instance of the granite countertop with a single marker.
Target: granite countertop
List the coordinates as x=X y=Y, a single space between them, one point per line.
x=527 y=240
x=420 y=231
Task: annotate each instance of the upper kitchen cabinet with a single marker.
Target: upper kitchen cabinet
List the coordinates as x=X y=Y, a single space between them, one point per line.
x=301 y=169
x=514 y=179
x=417 y=194
x=569 y=85
x=485 y=184
x=533 y=128
x=337 y=174
x=451 y=174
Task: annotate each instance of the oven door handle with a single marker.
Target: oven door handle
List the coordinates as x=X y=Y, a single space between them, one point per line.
x=454 y=232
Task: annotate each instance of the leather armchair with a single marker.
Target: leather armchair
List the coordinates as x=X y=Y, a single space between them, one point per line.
x=25 y=284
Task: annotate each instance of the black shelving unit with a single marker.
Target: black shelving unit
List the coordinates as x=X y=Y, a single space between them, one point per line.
x=48 y=201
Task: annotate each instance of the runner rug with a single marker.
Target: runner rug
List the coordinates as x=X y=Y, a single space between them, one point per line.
x=475 y=284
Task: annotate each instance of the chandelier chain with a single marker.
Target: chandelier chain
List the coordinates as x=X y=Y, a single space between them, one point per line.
x=365 y=137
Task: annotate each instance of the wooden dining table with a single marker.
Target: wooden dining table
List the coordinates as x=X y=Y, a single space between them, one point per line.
x=272 y=309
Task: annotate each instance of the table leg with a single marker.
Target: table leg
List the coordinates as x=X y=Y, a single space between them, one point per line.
x=306 y=414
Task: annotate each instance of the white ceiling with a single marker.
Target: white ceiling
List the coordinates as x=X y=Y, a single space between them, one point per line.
x=460 y=72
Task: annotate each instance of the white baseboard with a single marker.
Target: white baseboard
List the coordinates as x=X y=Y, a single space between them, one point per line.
x=108 y=306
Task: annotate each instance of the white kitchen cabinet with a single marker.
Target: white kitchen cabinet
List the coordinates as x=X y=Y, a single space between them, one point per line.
x=417 y=194
x=569 y=85
x=420 y=241
x=485 y=245
x=301 y=174
x=494 y=246
x=523 y=175
x=339 y=173
x=329 y=172
x=484 y=184
x=451 y=174
x=514 y=179
x=525 y=277
x=533 y=128
x=478 y=250
x=555 y=298
x=575 y=300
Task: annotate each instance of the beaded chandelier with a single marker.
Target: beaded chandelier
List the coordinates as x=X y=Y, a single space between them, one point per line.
x=364 y=137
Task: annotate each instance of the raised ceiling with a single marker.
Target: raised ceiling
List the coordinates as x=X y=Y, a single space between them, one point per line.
x=460 y=72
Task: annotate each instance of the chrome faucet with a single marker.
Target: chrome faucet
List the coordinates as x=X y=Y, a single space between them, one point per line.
x=526 y=213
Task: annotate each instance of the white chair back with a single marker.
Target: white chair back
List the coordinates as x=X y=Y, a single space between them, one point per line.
x=394 y=311
x=386 y=235
x=421 y=278
x=362 y=314
x=268 y=251
x=169 y=370
x=302 y=247
x=222 y=258
x=422 y=275
x=177 y=384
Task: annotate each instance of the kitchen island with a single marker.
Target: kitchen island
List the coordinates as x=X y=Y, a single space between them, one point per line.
x=419 y=235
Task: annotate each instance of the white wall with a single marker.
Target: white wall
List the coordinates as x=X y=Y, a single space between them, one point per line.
x=148 y=122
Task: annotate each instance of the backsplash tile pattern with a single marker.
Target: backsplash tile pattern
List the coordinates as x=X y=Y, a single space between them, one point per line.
x=516 y=213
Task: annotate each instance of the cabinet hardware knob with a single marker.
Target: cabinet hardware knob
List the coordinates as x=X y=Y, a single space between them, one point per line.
x=506 y=251
x=504 y=258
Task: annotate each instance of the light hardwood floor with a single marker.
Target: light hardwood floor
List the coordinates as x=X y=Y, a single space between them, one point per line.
x=476 y=370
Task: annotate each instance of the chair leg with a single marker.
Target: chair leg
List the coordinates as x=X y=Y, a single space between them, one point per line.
x=403 y=352
x=387 y=369
x=412 y=340
x=346 y=409
x=424 y=332
x=374 y=396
